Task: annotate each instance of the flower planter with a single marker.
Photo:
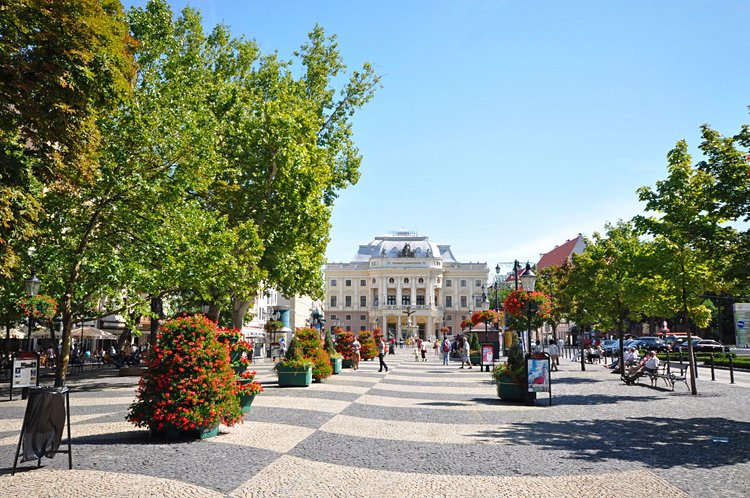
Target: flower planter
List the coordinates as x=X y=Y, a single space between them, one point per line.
x=475 y=358
x=175 y=434
x=294 y=377
x=347 y=363
x=510 y=391
x=246 y=402
x=336 y=364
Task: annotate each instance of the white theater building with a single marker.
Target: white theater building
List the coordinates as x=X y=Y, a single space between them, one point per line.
x=398 y=273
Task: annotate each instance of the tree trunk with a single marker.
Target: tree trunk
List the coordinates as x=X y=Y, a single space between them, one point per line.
x=61 y=367
x=239 y=310
x=157 y=308
x=213 y=312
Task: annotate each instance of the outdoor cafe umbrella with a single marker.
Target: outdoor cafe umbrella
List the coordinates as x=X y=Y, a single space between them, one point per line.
x=18 y=332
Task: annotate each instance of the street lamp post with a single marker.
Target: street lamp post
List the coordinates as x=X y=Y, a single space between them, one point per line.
x=32 y=285
x=528 y=279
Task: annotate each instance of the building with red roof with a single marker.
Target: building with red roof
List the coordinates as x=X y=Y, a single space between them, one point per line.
x=560 y=254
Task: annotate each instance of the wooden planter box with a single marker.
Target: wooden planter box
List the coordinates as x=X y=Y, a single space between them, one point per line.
x=346 y=364
x=294 y=377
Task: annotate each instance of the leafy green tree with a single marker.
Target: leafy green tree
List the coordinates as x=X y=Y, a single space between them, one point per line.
x=138 y=231
x=288 y=147
x=552 y=280
x=63 y=65
x=688 y=231
x=613 y=280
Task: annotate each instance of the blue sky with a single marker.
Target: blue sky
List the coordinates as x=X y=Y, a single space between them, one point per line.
x=505 y=128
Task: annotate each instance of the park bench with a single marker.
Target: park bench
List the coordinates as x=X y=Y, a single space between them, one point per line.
x=667 y=372
x=91 y=363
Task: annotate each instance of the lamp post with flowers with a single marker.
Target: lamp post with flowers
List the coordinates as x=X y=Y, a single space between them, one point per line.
x=528 y=281
x=32 y=285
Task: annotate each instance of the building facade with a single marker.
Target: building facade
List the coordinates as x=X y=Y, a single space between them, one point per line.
x=403 y=273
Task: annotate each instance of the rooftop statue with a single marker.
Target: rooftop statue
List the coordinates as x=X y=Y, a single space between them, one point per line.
x=406 y=252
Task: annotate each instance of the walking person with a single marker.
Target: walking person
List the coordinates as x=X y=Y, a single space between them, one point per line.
x=356 y=346
x=446 y=348
x=465 y=353
x=560 y=348
x=381 y=355
x=554 y=355
x=423 y=349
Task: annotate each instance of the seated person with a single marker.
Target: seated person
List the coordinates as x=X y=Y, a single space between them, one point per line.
x=631 y=357
x=650 y=364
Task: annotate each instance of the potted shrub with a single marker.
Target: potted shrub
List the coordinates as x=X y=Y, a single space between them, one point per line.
x=510 y=376
x=369 y=348
x=474 y=353
x=293 y=370
x=311 y=347
x=188 y=388
x=335 y=356
x=344 y=340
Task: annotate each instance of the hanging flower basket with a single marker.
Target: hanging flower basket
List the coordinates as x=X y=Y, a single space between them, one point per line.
x=39 y=307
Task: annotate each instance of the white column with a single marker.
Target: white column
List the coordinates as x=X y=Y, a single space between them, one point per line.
x=398 y=291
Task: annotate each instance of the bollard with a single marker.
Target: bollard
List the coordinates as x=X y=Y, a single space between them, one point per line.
x=731 y=369
x=713 y=375
x=680 y=357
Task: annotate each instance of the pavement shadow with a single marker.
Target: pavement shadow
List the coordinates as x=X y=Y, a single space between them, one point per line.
x=596 y=399
x=443 y=403
x=658 y=442
x=574 y=380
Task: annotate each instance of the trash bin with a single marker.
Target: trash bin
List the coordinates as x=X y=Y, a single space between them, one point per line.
x=47 y=411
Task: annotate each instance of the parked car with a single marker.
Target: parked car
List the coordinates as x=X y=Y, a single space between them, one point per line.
x=683 y=346
x=650 y=343
x=611 y=347
x=708 y=346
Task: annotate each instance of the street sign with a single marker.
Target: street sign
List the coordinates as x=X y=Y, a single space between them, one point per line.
x=741 y=324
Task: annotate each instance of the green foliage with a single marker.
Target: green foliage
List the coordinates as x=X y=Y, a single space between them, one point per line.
x=329 y=347
x=474 y=343
x=514 y=367
x=614 y=280
x=310 y=347
x=63 y=66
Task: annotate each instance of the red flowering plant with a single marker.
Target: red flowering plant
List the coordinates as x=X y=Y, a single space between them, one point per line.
x=466 y=324
x=519 y=304
x=240 y=358
x=247 y=385
x=240 y=350
x=38 y=307
x=484 y=316
x=189 y=383
x=344 y=340
x=369 y=349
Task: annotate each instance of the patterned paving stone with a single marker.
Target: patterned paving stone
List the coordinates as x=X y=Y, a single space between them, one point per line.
x=419 y=430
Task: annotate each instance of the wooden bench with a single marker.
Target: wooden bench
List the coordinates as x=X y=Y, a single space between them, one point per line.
x=667 y=372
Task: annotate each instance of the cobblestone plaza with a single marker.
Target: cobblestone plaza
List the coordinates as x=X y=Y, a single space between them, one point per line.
x=421 y=429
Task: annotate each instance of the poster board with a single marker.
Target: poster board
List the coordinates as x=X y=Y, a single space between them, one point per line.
x=488 y=354
x=538 y=378
x=25 y=371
